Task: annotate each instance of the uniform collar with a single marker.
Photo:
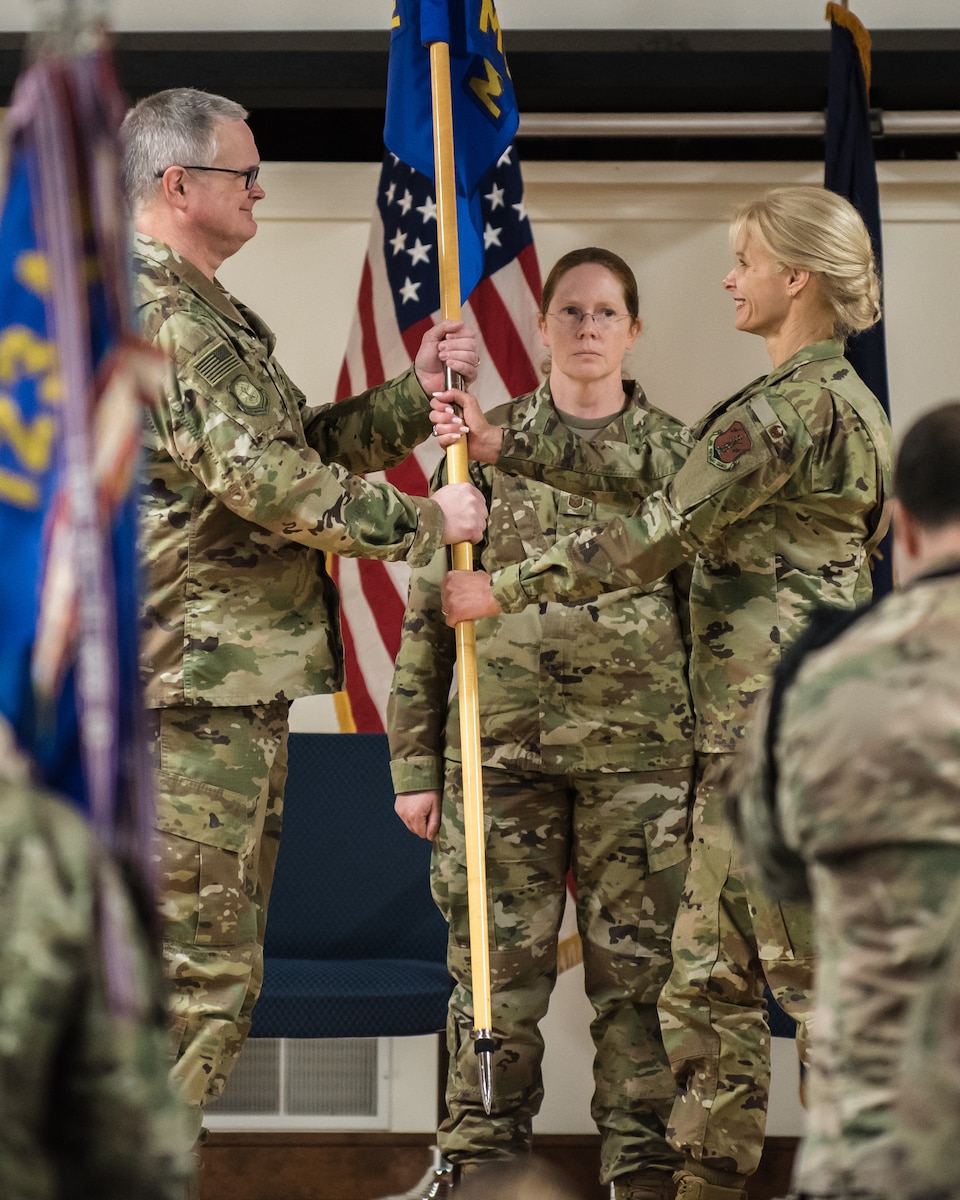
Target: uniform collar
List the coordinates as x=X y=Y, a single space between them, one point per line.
x=630 y=388
x=949 y=565
x=817 y=352
x=186 y=273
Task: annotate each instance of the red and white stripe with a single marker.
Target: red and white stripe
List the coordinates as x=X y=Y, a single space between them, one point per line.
x=502 y=308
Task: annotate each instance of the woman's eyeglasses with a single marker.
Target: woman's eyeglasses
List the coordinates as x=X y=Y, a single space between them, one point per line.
x=571 y=317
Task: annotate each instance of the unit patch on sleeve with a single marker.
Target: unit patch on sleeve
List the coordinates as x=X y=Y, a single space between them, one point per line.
x=728 y=445
x=248 y=396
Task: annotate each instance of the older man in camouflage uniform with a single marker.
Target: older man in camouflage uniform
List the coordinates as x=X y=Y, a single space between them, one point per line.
x=851 y=788
x=87 y=1110
x=247 y=488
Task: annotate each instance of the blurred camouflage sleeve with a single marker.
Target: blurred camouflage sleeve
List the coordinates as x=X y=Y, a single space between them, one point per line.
x=83 y=1078
x=240 y=433
x=422 y=678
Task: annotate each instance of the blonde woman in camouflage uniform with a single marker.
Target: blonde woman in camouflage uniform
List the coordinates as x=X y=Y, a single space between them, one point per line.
x=778 y=508
x=850 y=792
x=586 y=735
x=247 y=488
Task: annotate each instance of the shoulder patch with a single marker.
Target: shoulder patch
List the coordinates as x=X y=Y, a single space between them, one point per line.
x=250 y=399
x=217 y=362
x=726 y=446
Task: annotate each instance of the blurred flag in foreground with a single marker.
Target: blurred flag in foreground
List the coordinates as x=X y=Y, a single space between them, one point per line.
x=851 y=171
x=71 y=378
x=399 y=298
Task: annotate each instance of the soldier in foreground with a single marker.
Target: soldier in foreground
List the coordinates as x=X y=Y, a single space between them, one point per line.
x=778 y=507
x=247 y=488
x=87 y=1108
x=850 y=792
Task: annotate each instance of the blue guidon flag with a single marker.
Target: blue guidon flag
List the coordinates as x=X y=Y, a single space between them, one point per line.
x=73 y=380
x=485 y=117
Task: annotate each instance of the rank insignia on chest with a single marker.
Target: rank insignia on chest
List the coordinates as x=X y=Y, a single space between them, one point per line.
x=249 y=397
x=726 y=446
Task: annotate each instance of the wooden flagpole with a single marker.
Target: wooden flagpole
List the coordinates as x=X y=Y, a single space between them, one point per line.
x=462 y=552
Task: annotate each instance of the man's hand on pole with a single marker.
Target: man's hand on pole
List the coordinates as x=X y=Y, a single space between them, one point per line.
x=449 y=344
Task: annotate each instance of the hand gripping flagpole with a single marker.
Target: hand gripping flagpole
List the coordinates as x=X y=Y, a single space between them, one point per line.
x=462 y=553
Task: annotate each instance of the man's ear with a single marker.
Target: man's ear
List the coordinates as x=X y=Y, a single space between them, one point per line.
x=906 y=531
x=173 y=184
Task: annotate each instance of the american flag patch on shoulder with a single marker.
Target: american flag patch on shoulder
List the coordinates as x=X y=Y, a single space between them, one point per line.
x=217 y=363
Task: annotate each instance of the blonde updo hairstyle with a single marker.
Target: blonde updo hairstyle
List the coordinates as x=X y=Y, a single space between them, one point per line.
x=812 y=229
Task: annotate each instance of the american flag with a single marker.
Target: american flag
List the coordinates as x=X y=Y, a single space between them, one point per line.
x=399 y=298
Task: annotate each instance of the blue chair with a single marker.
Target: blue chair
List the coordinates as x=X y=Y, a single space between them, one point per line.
x=355 y=946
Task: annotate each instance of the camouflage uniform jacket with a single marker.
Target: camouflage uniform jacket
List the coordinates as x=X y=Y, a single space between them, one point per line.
x=594 y=685
x=866 y=804
x=87 y=1111
x=246 y=489
x=778 y=508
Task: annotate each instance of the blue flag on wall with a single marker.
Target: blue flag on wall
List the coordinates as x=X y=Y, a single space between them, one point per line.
x=72 y=382
x=485 y=117
x=850 y=170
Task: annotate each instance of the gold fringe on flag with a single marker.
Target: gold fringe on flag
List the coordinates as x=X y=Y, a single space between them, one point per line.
x=861 y=38
x=344 y=713
x=342 y=708
x=569 y=953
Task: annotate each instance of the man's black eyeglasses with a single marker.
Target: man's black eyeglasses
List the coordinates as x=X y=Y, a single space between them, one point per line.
x=249 y=175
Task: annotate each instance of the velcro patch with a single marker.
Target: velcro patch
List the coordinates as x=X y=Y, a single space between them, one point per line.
x=248 y=396
x=727 y=445
x=217 y=363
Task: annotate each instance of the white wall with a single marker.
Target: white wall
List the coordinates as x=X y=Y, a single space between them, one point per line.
x=669 y=220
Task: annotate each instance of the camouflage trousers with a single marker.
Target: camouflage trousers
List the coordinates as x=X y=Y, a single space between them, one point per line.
x=219 y=775
x=623 y=836
x=728 y=940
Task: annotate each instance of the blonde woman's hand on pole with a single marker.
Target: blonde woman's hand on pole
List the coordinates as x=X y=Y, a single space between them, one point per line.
x=467 y=596
x=483 y=439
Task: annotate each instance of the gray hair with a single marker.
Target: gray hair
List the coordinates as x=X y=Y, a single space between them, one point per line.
x=170 y=128
x=812 y=229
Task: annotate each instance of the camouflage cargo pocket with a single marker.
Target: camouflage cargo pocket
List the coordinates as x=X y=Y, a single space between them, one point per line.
x=203 y=812
x=204 y=901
